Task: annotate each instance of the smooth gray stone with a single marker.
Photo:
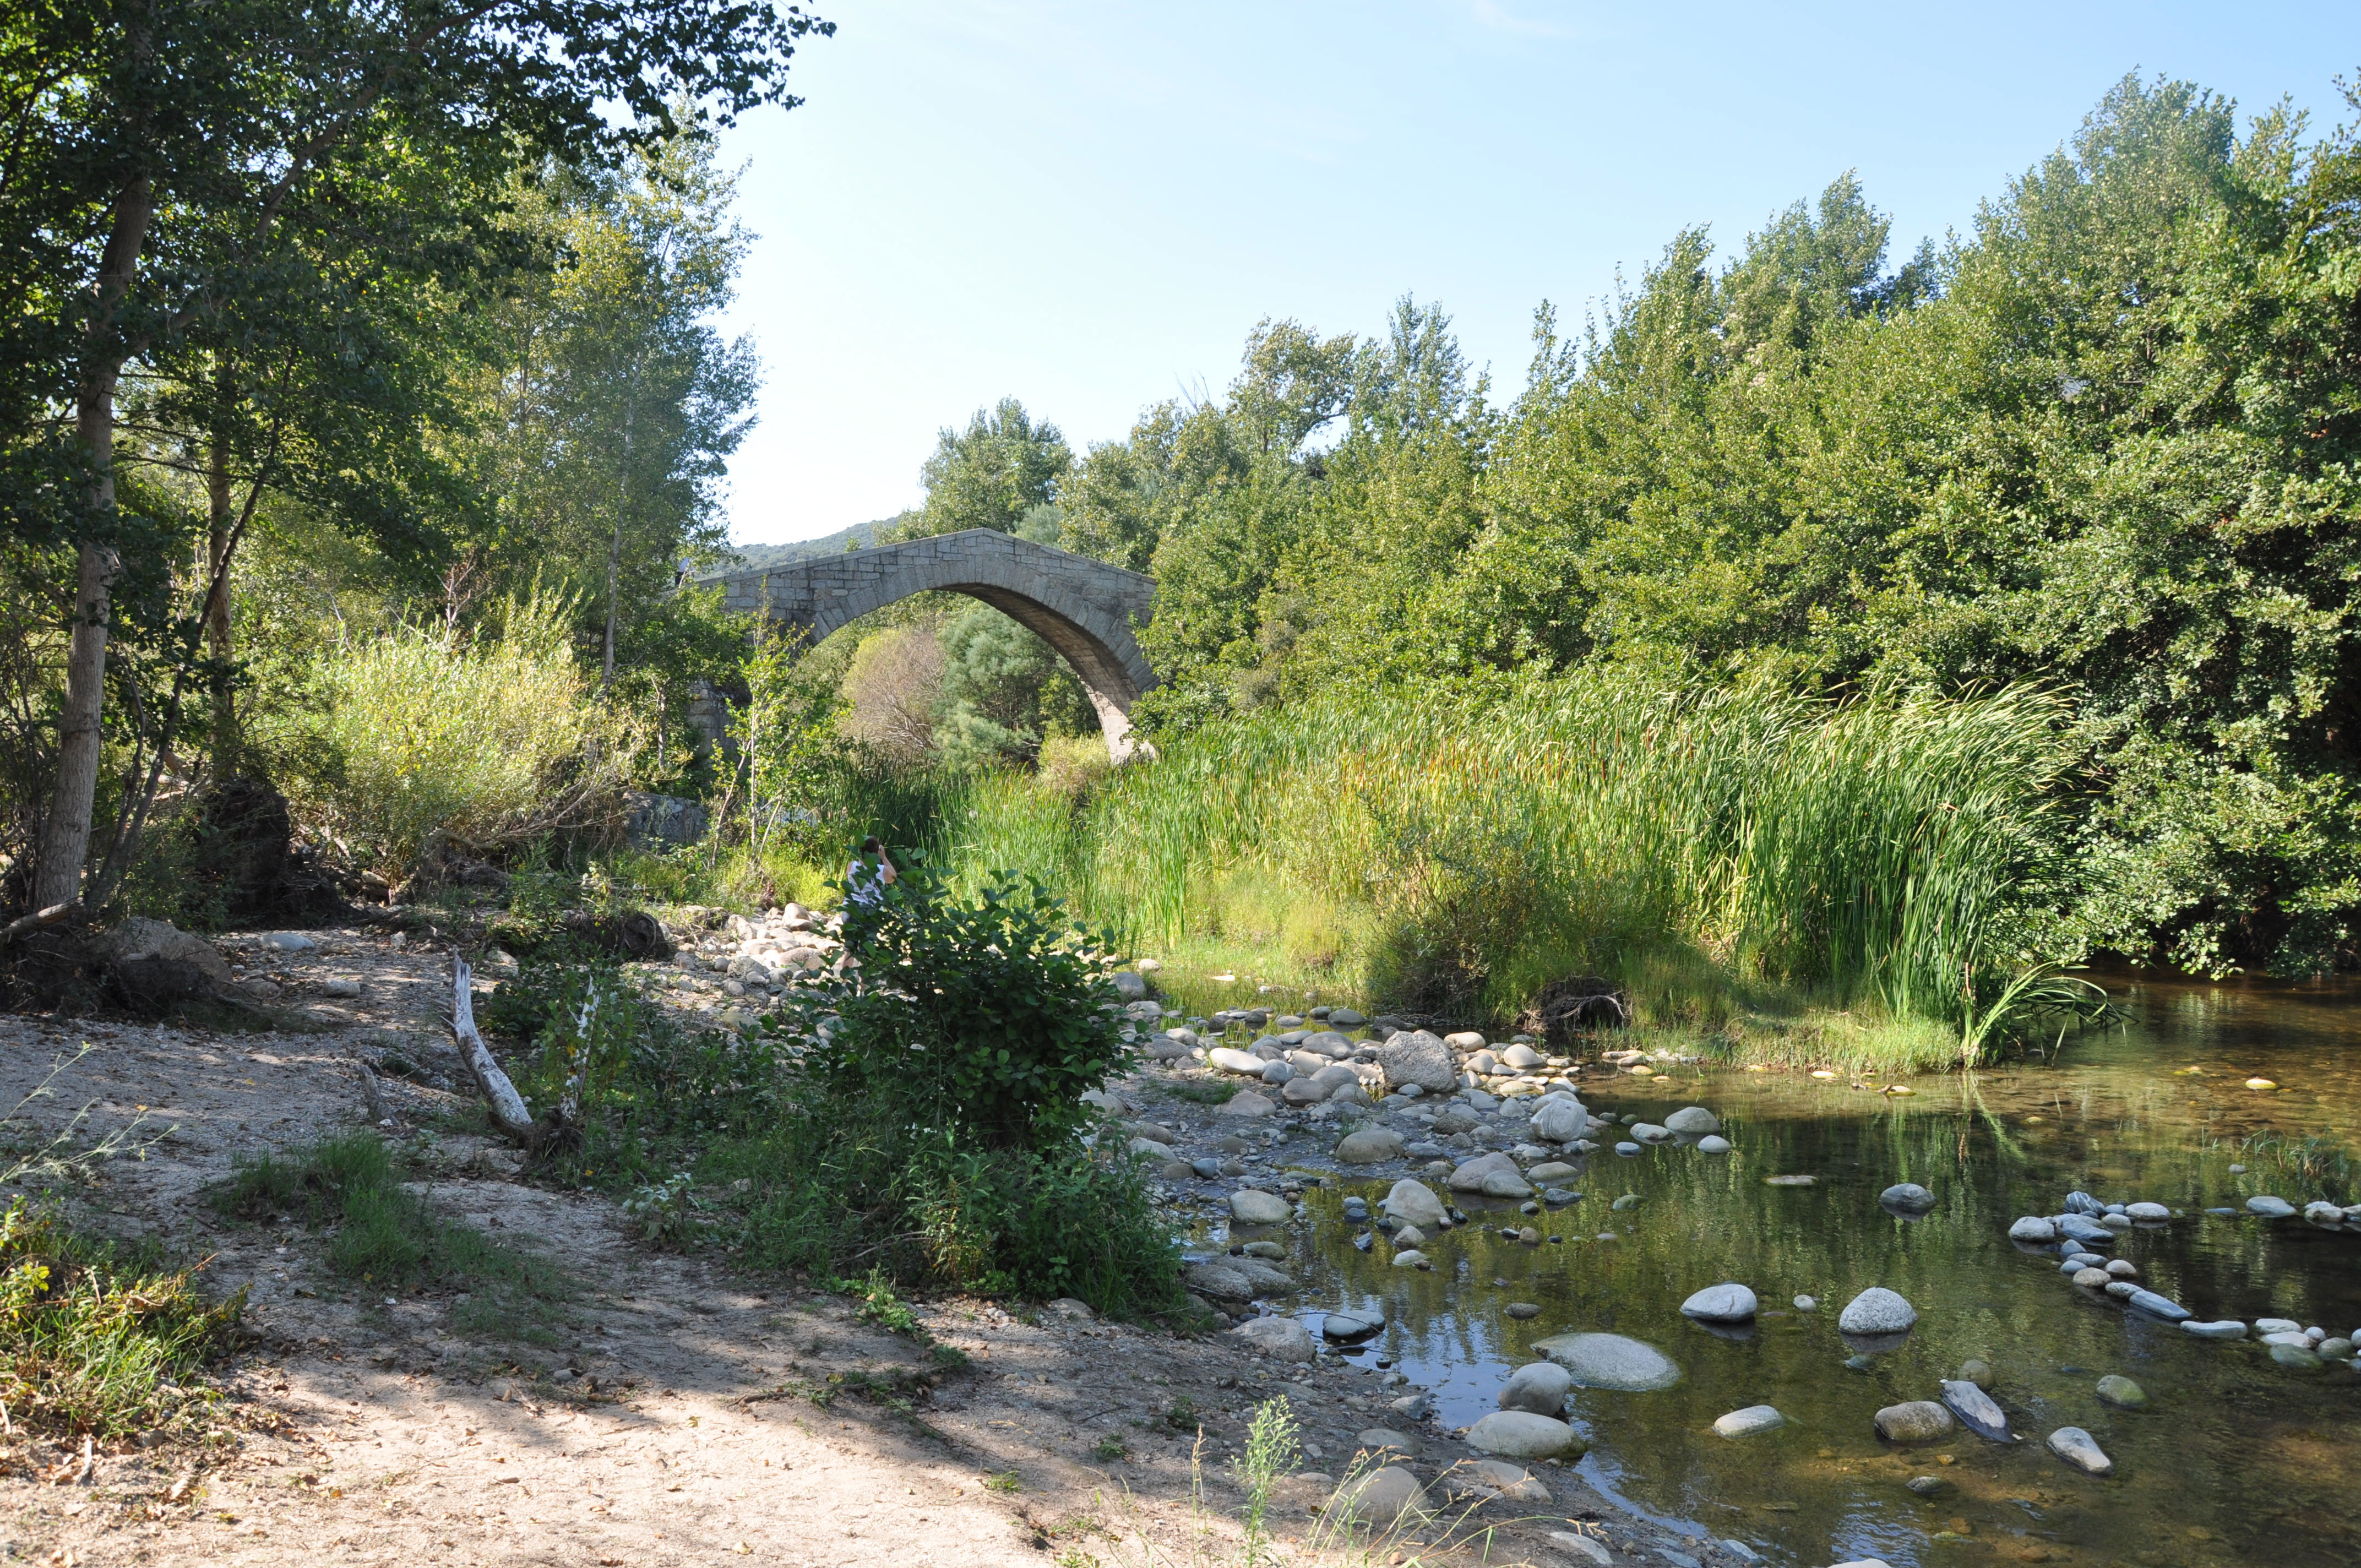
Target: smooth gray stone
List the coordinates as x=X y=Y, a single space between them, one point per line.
x=2090 y=1232
x=2077 y=1448
x=2169 y=1311
x=1250 y=1207
x=2149 y=1214
x=1541 y=1387
x=1713 y=1142
x=2121 y=1393
x=1915 y=1420
x=2033 y=1228
x=1909 y=1197
x=2270 y=1208
x=1877 y=1310
x=2083 y=1203
x=1350 y=1326
x=1414 y=1203
x=1610 y=1361
x=1381 y=1498
x=1751 y=1419
x=1282 y=1338
x=1693 y=1120
x=2222 y=1328
x=1726 y=1303
x=2296 y=1356
x=1522 y=1434
x=1976 y=1410
x=1627 y=1148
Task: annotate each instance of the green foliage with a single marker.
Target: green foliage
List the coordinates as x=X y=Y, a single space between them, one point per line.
x=990 y=475
x=995 y=1002
x=90 y=1330
x=2302 y=1170
x=795 y=760
x=475 y=743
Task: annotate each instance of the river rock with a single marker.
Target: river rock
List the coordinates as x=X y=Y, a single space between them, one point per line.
x=2269 y=1208
x=2083 y=1203
x=1909 y=1197
x=1610 y=1361
x=2297 y=1357
x=1282 y=1339
x=1303 y=1091
x=1713 y=1142
x=1246 y=1102
x=1410 y=1257
x=2121 y=1393
x=2171 y=1311
x=1977 y=1372
x=1506 y=1184
x=1750 y=1421
x=1877 y=1310
x=1370 y=1146
x=1560 y=1119
x=2223 y=1328
x=1410 y=1235
x=1278 y=1073
x=1649 y=1132
x=1250 y=1207
x=1549 y=1171
x=1421 y=1058
x=1916 y=1421
x=1414 y=1203
x=1976 y=1410
x=1231 y=1059
x=1523 y=1057
x=1347 y=1327
x=2091 y=1279
x=1482 y=1480
x=1380 y=1500
x=1540 y=1386
x=1220 y=1282
x=1728 y=1303
x=2147 y=1214
x=2034 y=1228
x=2077 y=1448
x=1693 y=1120
x=1520 y=1434
x=2088 y=1232
x=1469 y=1177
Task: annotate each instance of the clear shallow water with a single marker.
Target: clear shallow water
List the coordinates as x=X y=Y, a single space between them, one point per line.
x=2234 y=1461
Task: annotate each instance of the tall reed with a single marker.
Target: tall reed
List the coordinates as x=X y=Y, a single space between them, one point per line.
x=1899 y=851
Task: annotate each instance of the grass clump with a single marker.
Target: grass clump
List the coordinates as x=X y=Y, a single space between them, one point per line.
x=384 y=1235
x=91 y=1331
x=2302 y=1170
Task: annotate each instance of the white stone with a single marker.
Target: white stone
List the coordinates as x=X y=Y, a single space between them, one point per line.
x=1231 y=1059
x=1751 y=1419
x=1520 y=1434
x=2077 y=1448
x=1540 y=1386
x=1877 y=1310
x=1728 y=1303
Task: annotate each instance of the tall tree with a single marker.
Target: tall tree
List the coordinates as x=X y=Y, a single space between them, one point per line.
x=141 y=130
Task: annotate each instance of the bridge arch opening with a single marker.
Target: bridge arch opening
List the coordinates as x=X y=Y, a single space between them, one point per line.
x=1086 y=610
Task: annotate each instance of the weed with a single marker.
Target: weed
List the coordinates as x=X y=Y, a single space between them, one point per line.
x=2309 y=1168
x=663 y=1213
x=879 y=1305
x=1196 y=1093
x=1182 y=1415
x=1270 y=1452
x=1111 y=1450
x=92 y=1334
x=1001 y=1481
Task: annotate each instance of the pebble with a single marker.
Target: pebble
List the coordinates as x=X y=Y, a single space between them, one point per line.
x=1523 y=1311
x=1628 y=1201
x=1928 y=1485
x=1751 y=1419
x=1627 y=1148
x=1713 y=1144
x=1807 y=1303
x=1877 y=1310
x=2077 y=1448
x=1977 y=1372
x=1582 y=1546
x=2121 y=1393
x=1909 y=1197
x=1350 y=1326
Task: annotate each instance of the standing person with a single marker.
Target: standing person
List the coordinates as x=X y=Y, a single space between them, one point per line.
x=864 y=884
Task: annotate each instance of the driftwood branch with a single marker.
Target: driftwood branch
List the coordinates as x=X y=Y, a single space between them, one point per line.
x=25 y=924
x=506 y=1104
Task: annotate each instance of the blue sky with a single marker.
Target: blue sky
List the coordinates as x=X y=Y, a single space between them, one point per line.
x=1089 y=204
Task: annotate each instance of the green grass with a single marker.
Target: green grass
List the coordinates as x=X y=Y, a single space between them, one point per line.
x=91 y=1331
x=387 y=1237
x=1723 y=854
x=2302 y=1170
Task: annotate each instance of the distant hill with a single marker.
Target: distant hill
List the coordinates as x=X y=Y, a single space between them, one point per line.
x=760 y=557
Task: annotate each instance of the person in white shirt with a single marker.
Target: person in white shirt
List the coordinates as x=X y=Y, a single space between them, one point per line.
x=865 y=883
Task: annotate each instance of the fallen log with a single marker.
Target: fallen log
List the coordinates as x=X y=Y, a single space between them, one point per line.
x=501 y=1097
x=39 y=920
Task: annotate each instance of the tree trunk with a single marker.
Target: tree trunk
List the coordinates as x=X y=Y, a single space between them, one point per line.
x=65 y=833
x=615 y=544
x=219 y=542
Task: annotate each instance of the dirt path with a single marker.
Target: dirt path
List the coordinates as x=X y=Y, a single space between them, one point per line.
x=670 y=1412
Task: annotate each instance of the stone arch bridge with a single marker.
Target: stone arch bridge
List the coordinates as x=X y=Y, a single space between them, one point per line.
x=1085 y=610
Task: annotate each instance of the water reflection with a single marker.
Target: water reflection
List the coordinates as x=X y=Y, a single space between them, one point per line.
x=2234 y=1460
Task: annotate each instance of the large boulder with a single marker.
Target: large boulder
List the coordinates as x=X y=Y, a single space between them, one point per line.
x=1282 y=1339
x=1520 y=1434
x=1610 y=1361
x=1693 y=1120
x=1540 y=1386
x=1560 y=1119
x=1369 y=1145
x=1414 y=1203
x=1469 y=1177
x=1417 y=1057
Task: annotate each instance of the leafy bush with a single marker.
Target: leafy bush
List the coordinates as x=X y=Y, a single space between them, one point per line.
x=999 y=1004
x=478 y=743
